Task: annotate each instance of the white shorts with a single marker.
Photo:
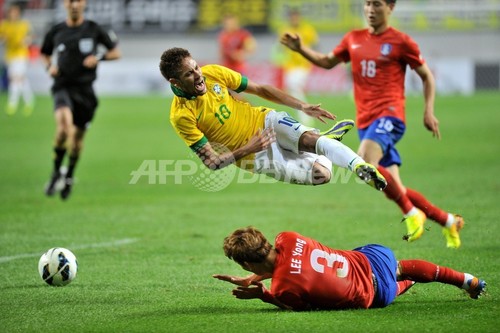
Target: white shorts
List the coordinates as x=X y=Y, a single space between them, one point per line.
x=17 y=67
x=282 y=160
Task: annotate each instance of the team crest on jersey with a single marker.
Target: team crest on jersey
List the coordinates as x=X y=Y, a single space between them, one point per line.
x=217 y=89
x=86 y=45
x=385 y=49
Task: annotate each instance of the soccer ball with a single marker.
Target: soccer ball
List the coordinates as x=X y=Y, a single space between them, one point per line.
x=57 y=266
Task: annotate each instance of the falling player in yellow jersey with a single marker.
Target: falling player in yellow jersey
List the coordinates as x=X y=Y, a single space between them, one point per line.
x=16 y=33
x=258 y=139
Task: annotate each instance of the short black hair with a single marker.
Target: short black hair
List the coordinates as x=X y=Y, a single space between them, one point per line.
x=171 y=60
x=390 y=1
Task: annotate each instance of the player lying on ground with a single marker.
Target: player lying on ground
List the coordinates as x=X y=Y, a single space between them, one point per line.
x=307 y=275
x=258 y=139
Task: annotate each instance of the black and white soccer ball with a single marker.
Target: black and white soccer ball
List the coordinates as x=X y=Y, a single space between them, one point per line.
x=58 y=266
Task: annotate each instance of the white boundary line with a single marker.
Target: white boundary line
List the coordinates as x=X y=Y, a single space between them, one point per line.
x=119 y=242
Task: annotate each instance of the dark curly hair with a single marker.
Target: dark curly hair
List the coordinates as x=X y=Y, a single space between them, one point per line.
x=247 y=245
x=171 y=60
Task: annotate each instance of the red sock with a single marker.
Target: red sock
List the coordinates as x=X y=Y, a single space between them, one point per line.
x=404 y=285
x=394 y=192
x=424 y=271
x=432 y=212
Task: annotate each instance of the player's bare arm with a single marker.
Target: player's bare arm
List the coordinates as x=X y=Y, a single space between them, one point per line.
x=213 y=160
x=113 y=54
x=276 y=95
x=292 y=41
x=52 y=69
x=92 y=60
x=242 y=281
x=429 y=87
x=259 y=291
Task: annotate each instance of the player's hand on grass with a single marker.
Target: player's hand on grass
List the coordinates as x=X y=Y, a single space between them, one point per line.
x=237 y=280
x=290 y=40
x=250 y=292
x=315 y=111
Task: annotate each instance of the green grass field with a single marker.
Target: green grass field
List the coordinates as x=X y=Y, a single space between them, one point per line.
x=146 y=252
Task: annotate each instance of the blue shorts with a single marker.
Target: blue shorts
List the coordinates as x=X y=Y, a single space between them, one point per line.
x=386 y=131
x=384 y=266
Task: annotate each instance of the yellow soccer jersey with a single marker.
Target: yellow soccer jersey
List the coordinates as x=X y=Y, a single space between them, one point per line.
x=308 y=37
x=216 y=117
x=14 y=34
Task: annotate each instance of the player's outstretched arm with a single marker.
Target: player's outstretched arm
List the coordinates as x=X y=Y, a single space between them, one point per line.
x=242 y=281
x=293 y=42
x=276 y=95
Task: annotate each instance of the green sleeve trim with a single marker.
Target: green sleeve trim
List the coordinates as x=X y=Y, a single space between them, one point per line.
x=243 y=84
x=178 y=92
x=199 y=144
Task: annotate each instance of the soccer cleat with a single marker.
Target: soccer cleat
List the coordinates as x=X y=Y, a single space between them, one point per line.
x=476 y=287
x=66 y=191
x=339 y=129
x=414 y=226
x=370 y=175
x=28 y=110
x=50 y=188
x=452 y=233
x=11 y=109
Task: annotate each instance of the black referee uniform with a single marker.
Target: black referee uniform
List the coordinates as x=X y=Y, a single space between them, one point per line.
x=73 y=86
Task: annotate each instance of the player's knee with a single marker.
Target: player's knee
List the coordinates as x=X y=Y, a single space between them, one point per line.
x=307 y=142
x=61 y=134
x=77 y=148
x=77 y=145
x=320 y=174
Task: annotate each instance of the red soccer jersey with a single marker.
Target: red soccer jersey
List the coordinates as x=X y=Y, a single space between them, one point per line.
x=230 y=44
x=309 y=275
x=378 y=70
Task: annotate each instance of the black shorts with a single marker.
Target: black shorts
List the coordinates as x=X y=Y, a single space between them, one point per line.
x=81 y=100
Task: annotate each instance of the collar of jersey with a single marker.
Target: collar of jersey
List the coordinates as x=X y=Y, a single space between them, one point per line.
x=178 y=92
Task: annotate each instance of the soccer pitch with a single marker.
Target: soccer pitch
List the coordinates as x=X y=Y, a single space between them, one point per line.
x=147 y=250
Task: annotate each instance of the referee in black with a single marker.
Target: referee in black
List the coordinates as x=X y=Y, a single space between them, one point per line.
x=71 y=51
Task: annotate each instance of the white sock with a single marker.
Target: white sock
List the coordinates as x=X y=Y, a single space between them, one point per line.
x=27 y=93
x=338 y=153
x=15 y=89
x=450 y=220
x=412 y=212
x=467 y=277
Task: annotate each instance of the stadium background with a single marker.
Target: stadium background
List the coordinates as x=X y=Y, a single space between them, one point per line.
x=146 y=251
x=459 y=39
